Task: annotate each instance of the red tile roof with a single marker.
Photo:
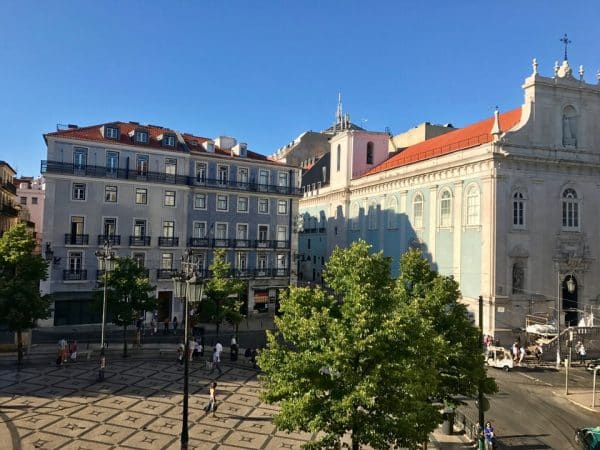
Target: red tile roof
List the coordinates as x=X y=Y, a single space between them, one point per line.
x=463 y=138
x=194 y=143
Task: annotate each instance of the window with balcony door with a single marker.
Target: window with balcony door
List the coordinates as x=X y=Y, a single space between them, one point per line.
x=139 y=228
x=221 y=231
x=141 y=165
x=282 y=207
x=109 y=227
x=200 y=172
x=263 y=206
x=282 y=233
x=223 y=175
x=281 y=261
x=77 y=227
x=263 y=177
x=222 y=203
x=75 y=262
x=168 y=229
x=242 y=231
x=261 y=262
x=171 y=166
x=199 y=229
x=80 y=158
x=140 y=259
x=282 y=179
x=242 y=261
x=263 y=232
x=243 y=176
x=166 y=261
x=112 y=163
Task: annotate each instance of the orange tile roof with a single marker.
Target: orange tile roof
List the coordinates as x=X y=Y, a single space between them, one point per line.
x=463 y=138
x=194 y=143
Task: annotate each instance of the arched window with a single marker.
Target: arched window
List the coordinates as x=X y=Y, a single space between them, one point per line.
x=518 y=220
x=369 y=153
x=373 y=215
x=392 y=213
x=570 y=210
x=418 y=211
x=446 y=209
x=339 y=157
x=473 y=206
x=354 y=216
x=569 y=121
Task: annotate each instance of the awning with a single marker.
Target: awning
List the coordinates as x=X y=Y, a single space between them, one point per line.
x=261 y=297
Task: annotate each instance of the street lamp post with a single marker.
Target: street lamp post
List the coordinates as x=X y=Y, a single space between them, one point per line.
x=571 y=288
x=186 y=287
x=107 y=257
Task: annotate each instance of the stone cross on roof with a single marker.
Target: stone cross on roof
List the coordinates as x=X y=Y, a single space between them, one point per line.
x=565 y=40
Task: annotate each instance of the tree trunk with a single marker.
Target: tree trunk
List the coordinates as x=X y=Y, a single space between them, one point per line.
x=19 y=347
x=124 y=341
x=355 y=445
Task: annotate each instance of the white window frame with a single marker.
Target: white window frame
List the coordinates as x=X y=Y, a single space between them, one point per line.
x=262 y=202
x=171 y=166
x=141 y=136
x=222 y=175
x=258 y=229
x=142 y=164
x=222 y=207
x=473 y=206
x=243 y=210
x=136 y=256
x=519 y=210
x=445 y=209
x=243 y=175
x=282 y=207
x=200 y=197
x=200 y=172
x=111 y=132
x=80 y=155
x=199 y=225
x=418 y=210
x=138 y=223
x=220 y=226
x=111 y=158
x=72 y=257
x=144 y=193
x=282 y=232
x=282 y=179
x=263 y=175
x=79 y=192
x=169 y=140
x=170 y=198
x=168 y=229
x=166 y=261
x=106 y=221
x=245 y=230
x=570 y=210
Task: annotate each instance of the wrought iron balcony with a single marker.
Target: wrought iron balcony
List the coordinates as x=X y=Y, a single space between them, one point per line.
x=112 y=239
x=243 y=243
x=8 y=210
x=199 y=242
x=238 y=273
x=77 y=239
x=74 y=275
x=165 y=274
x=168 y=241
x=159 y=177
x=10 y=188
x=261 y=243
x=262 y=273
x=281 y=272
x=139 y=241
x=221 y=242
x=282 y=244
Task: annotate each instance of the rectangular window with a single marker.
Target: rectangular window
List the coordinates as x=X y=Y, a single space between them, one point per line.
x=111 y=133
x=200 y=172
x=141 y=165
x=281 y=233
x=110 y=194
x=171 y=166
x=243 y=175
x=23 y=200
x=166 y=261
x=263 y=205
x=140 y=259
x=168 y=229
x=110 y=226
x=75 y=261
x=141 y=196
x=281 y=261
x=222 y=202
x=169 y=140
x=77 y=225
x=263 y=232
x=199 y=201
x=79 y=191
x=112 y=163
x=79 y=158
x=34 y=200
x=139 y=228
x=282 y=179
x=282 y=206
x=223 y=174
x=242 y=261
x=221 y=231
x=169 y=198
x=199 y=229
x=262 y=261
x=242 y=205
x=141 y=137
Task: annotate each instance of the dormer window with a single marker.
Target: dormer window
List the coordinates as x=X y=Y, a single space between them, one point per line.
x=168 y=140
x=141 y=137
x=111 y=132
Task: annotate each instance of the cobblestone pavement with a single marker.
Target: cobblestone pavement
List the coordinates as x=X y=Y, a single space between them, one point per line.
x=137 y=406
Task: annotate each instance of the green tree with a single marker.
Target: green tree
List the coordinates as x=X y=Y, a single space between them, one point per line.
x=222 y=294
x=365 y=356
x=21 y=270
x=129 y=292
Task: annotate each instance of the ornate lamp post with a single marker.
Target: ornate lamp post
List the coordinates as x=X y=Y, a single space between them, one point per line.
x=571 y=288
x=186 y=287
x=107 y=257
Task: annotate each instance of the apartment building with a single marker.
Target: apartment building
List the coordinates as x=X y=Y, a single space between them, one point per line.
x=152 y=192
x=9 y=212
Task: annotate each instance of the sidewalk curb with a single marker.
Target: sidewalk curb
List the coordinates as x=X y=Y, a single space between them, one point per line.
x=581 y=405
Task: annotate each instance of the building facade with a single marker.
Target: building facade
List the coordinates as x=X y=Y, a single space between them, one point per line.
x=31 y=193
x=507 y=206
x=152 y=192
x=9 y=211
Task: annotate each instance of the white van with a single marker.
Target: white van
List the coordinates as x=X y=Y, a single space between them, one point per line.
x=499 y=357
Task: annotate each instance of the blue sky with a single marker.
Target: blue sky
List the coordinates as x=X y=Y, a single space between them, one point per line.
x=264 y=71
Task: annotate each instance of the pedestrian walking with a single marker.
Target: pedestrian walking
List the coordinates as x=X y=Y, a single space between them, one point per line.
x=73 y=350
x=216 y=362
x=489 y=436
x=212 y=399
x=198 y=349
x=153 y=326
x=102 y=365
x=580 y=348
x=175 y=323
x=219 y=347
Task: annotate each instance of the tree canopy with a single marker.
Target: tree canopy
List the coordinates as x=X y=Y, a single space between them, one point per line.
x=222 y=294
x=21 y=270
x=366 y=355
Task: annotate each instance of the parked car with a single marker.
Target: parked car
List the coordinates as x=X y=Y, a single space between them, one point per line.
x=499 y=357
x=588 y=438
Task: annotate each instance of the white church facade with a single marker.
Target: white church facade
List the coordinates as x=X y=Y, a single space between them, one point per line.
x=509 y=206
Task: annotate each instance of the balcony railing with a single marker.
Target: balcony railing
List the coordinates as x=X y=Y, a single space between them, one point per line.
x=199 y=242
x=261 y=243
x=282 y=244
x=164 y=274
x=112 y=239
x=168 y=241
x=6 y=209
x=74 y=275
x=221 y=242
x=243 y=243
x=159 y=177
x=77 y=239
x=271 y=272
x=237 y=273
x=281 y=272
x=139 y=241
x=10 y=188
